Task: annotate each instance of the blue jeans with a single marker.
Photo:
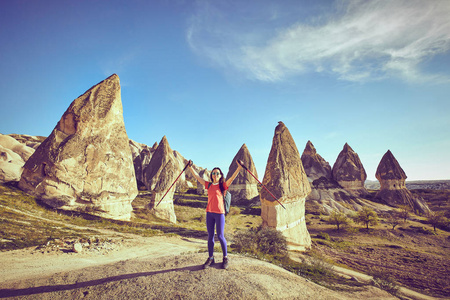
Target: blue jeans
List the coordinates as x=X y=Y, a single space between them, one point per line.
x=213 y=219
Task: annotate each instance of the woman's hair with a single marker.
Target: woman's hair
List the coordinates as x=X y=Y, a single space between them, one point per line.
x=221 y=180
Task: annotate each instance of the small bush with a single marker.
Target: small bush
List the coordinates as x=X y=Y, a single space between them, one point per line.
x=202 y=218
x=352 y=230
x=425 y=230
x=366 y=216
x=271 y=241
x=244 y=241
x=234 y=211
x=263 y=240
x=316 y=268
x=437 y=219
x=191 y=191
x=324 y=236
x=385 y=282
x=338 y=218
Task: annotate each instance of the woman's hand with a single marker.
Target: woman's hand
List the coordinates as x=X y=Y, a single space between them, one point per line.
x=241 y=163
x=240 y=166
x=199 y=179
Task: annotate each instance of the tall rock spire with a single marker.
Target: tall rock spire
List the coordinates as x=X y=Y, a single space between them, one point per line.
x=349 y=172
x=314 y=164
x=393 y=190
x=389 y=169
x=244 y=187
x=159 y=175
x=287 y=181
x=86 y=161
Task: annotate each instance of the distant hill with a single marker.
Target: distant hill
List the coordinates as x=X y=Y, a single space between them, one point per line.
x=413 y=185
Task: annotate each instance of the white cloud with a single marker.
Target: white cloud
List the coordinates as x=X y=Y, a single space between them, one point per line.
x=359 y=41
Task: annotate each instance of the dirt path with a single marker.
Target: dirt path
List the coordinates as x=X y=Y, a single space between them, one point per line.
x=28 y=263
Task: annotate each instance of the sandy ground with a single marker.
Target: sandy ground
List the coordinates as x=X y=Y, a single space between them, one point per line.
x=154 y=268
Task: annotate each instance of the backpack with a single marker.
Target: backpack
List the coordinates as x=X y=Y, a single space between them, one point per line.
x=226 y=200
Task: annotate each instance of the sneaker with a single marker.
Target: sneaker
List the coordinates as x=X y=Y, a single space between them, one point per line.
x=225 y=263
x=208 y=263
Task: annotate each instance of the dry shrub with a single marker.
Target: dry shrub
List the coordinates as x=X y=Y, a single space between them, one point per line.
x=271 y=241
x=316 y=268
x=234 y=211
x=385 y=282
x=261 y=240
x=244 y=241
x=324 y=236
x=202 y=218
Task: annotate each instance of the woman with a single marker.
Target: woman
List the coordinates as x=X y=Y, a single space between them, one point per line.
x=215 y=211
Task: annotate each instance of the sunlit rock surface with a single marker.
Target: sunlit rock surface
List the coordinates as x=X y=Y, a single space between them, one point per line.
x=286 y=179
x=86 y=162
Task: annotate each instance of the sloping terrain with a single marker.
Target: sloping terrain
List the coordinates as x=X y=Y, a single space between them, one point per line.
x=149 y=258
x=175 y=275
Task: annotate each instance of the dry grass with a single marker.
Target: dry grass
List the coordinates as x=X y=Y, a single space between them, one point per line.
x=411 y=254
x=25 y=222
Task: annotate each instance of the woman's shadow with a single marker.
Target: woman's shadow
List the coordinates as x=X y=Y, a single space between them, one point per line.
x=64 y=287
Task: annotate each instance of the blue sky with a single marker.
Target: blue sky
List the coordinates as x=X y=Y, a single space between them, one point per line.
x=213 y=75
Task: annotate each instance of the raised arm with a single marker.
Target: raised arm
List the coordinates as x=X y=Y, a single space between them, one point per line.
x=231 y=179
x=201 y=180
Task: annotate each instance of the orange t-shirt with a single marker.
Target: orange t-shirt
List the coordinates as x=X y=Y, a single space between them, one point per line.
x=215 y=198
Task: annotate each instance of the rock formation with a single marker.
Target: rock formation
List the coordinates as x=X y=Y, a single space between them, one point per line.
x=142 y=155
x=159 y=175
x=28 y=140
x=392 y=185
x=205 y=174
x=86 y=161
x=315 y=166
x=287 y=181
x=186 y=180
x=17 y=147
x=12 y=158
x=11 y=165
x=326 y=194
x=349 y=172
x=244 y=186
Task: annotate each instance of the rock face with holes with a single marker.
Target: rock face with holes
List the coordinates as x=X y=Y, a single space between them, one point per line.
x=349 y=172
x=159 y=175
x=392 y=185
x=86 y=163
x=286 y=179
x=244 y=186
